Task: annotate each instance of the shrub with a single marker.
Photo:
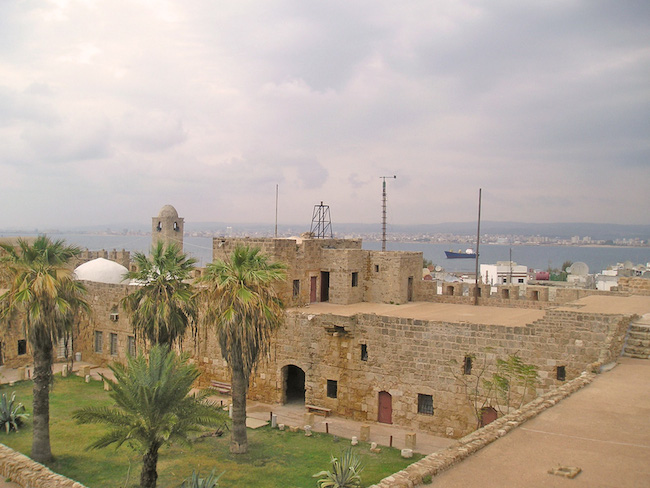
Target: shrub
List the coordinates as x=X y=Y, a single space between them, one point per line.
x=11 y=416
x=345 y=472
x=194 y=481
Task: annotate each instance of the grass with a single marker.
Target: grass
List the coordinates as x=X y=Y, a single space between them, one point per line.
x=275 y=458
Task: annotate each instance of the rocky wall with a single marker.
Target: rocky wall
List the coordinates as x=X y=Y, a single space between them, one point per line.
x=27 y=473
x=634 y=286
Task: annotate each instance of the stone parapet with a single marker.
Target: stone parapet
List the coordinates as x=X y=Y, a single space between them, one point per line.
x=440 y=461
x=28 y=473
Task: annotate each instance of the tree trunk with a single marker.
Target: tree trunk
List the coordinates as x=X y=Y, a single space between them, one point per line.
x=149 y=474
x=41 y=450
x=239 y=439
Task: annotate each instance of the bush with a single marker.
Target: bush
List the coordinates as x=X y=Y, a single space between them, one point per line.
x=194 y=481
x=345 y=472
x=11 y=416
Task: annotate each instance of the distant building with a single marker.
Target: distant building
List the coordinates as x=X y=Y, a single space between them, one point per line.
x=504 y=273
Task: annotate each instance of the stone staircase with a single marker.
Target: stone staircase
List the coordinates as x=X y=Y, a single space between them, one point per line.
x=637 y=344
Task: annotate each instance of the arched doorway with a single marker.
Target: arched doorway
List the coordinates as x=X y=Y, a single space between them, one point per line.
x=488 y=415
x=385 y=414
x=293 y=380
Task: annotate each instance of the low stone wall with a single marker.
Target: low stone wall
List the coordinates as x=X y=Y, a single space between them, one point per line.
x=636 y=286
x=438 y=462
x=29 y=474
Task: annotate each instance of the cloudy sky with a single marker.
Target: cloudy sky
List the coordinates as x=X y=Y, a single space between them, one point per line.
x=111 y=109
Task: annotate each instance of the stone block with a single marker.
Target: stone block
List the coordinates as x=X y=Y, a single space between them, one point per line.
x=309 y=418
x=84 y=371
x=407 y=453
x=64 y=371
x=87 y=378
x=410 y=440
x=354 y=440
x=364 y=435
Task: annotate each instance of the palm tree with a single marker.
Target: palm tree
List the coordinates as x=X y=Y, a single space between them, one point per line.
x=44 y=296
x=244 y=309
x=152 y=407
x=162 y=307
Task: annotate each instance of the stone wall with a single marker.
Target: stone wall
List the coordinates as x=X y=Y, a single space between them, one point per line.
x=29 y=474
x=635 y=286
x=107 y=317
x=385 y=277
x=407 y=358
x=440 y=461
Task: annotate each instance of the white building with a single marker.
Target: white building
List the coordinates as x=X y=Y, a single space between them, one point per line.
x=504 y=273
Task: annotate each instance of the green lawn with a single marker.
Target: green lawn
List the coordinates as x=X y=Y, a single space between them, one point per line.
x=275 y=459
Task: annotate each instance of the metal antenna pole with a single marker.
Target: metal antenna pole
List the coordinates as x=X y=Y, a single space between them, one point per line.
x=478 y=242
x=276 y=210
x=383 y=211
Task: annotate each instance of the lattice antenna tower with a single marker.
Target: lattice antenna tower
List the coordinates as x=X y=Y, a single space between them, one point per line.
x=321 y=222
x=383 y=211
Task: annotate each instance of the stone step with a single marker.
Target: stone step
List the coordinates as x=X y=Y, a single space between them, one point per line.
x=637 y=350
x=636 y=356
x=632 y=341
x=640 y=328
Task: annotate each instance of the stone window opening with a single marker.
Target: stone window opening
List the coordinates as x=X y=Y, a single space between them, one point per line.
x=364 y=352
x=98 y=341
x=425 y=404
x=130 y=344
x=355 y=279
x=296 y=288
x=22 y=347
x=467 y=365
x=113 y=344
x=376 y=268
x=535 y=296
x=114 y=315
x=561 y=373
x=505 y=294
x=175 y=226
x=159 y=227
x=332 y=389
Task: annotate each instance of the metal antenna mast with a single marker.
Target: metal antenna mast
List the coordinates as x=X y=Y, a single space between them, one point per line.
x=321 y=222
x=383 y=211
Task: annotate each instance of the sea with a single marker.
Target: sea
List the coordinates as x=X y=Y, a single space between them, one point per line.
x=538 y=257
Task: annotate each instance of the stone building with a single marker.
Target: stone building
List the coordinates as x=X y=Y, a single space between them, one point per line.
x=336 y=270
x=366 y=337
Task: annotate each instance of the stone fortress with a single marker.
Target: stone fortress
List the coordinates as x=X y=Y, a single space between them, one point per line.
x=365 y=337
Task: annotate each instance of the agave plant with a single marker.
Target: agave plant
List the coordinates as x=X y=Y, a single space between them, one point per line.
x=194 y=481
x=11 y=415
x=345 y=473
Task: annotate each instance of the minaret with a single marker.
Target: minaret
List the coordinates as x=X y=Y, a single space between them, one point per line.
x=167 y=227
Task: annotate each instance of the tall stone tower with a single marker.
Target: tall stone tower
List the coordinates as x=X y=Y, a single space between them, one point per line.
x=167 y=227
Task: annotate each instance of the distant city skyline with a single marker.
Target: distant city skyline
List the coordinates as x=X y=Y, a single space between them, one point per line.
x=110 y=110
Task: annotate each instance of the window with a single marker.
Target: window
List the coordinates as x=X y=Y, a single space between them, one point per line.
x=521 y=280
x=355 y=279
x=130 y=345
x=364 y=352
x=332 y=389
x=296 y=288
x=467 y=365
x=98 y=341
x=22 y=347
x=561 y=373
x=113 y=344
x=425 y=404
x=376 y=268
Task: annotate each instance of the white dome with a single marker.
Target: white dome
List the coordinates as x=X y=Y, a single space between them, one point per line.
x=102 y=271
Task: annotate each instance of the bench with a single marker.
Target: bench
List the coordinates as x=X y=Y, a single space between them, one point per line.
x=325 y=412
x=221 y=387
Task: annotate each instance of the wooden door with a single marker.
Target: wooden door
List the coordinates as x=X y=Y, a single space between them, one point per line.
x=385 y=408
x=313 y=289
x=488 y=415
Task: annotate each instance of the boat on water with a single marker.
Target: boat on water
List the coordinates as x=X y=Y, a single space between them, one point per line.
x=468 y=254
